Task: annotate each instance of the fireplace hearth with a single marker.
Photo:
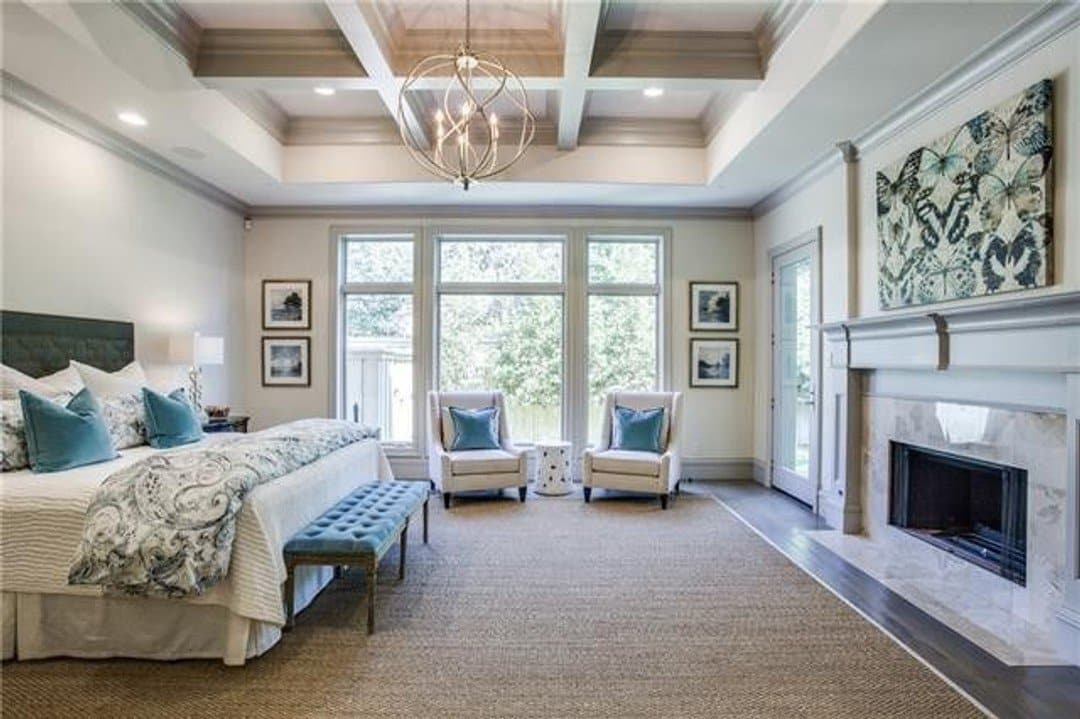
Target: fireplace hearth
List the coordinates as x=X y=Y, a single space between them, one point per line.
x=971 y=508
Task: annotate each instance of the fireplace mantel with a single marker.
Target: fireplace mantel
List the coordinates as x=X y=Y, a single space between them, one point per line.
x=1027 y=334
x=1021 y=351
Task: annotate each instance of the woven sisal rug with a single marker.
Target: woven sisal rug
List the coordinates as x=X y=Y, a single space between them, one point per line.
x=551 y=608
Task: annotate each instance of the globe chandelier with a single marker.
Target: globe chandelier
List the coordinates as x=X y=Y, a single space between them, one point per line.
x=465 y=126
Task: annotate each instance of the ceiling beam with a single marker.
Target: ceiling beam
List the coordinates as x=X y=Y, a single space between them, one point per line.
x=276 y=53
x=582 y=20
x=677 y=55
x=359 y=22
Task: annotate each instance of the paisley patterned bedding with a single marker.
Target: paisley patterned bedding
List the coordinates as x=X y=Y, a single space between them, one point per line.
x=165 y=525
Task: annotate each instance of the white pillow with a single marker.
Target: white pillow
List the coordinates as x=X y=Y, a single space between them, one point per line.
x=127 y=380
x=12 y=380
x=66 y=381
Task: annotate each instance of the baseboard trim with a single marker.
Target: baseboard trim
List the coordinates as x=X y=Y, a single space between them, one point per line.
x=761 y=472
x=717 y=468
x=692 y=468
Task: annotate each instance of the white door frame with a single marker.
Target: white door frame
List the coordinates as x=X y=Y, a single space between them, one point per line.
x=809 y=243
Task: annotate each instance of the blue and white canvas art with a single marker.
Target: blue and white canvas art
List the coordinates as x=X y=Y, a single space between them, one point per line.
x=970 y=214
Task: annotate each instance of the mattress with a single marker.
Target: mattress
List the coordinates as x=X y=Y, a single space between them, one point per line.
x=41 y=523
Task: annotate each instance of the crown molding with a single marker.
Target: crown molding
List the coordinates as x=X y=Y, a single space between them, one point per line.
x=277 y=53
x=712 y=55
x=500 y=212
x=342 y=131
x=260 y=108
x=66 y=118
x=1029 y=36
x=776 y=26
x=531 y=53
x=168 y=21
x=637 y=131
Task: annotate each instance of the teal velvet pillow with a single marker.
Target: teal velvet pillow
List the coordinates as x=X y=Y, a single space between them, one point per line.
x=637 y=430
x=475 y=428
x=62 y=437
x=170 y=421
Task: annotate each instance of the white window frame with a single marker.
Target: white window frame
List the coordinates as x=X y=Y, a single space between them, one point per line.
x=340 y=238
x=657 y=289
x=512 y=235
x=425 y=289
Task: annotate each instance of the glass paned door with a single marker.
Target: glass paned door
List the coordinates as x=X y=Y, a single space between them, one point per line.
x=795 y=372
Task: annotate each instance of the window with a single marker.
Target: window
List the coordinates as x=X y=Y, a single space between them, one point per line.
x=378 y=311
x=501 y=325
x=553 y=319
x=623 y=319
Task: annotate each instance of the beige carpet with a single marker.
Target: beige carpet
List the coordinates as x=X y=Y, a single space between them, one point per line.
x=547 y=609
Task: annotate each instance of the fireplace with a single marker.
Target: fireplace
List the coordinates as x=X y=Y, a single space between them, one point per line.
x=973 y=509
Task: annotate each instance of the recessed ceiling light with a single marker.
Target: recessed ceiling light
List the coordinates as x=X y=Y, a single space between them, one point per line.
x=653 y=91
x=325 y=91
x=131 y=118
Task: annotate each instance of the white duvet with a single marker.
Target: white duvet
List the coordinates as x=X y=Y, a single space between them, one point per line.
x=41 y=523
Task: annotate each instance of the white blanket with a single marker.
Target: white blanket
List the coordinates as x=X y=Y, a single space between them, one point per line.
x=42 y=516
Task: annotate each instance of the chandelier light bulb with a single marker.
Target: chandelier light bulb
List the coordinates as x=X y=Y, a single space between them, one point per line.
x=474 y=83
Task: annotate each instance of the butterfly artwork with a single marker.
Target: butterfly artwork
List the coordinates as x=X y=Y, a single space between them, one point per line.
x=969 y=214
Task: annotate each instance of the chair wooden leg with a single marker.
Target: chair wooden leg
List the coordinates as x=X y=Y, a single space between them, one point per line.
x=425 y=520
x=404 y=542
x=290 y=598
x=446 y=499
x=522 y=491
x=587 y=491
x=663 y=501
x=371 y=579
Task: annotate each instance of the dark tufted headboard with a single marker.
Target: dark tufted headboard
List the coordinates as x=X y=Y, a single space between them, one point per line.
x=38 y=345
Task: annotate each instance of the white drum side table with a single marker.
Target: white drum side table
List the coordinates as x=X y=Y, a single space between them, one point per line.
x=553 y=476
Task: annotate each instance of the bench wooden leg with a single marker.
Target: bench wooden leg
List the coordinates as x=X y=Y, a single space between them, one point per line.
x=371 y=579
x=446 y=499
x=404 y=542
x=290 y=596
x=425 y=520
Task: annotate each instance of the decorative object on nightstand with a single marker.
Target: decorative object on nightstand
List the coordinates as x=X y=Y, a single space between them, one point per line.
x=553 y=477
x=232 y=423
x=196 y=351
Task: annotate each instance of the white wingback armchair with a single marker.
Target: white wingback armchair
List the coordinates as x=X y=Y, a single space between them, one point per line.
x=467 y=470
x=631 y=470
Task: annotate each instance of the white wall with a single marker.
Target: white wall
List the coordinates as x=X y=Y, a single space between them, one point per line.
x=89 y=234
x=299 y=248
x=823 y=203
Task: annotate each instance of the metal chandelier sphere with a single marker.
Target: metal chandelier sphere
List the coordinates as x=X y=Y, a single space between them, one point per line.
x=465 y=126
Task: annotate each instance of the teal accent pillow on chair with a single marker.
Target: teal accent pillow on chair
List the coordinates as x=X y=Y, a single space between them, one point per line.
x=63 y=437
x=637 y=430
x=170 y=421
x=475 y=428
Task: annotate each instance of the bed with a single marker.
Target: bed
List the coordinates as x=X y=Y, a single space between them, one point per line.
x=42 y=517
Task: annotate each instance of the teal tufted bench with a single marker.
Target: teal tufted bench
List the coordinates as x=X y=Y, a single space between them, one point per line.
x=358 y=531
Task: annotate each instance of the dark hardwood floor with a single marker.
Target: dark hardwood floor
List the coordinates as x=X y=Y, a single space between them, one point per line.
x=1004 y=690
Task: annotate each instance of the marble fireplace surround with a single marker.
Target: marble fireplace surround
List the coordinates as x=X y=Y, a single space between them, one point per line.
x=999 y=381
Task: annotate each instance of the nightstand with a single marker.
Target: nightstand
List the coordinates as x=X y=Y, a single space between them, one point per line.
x=233 y=423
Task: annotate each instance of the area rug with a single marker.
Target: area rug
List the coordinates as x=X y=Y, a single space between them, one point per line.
x=552 y=608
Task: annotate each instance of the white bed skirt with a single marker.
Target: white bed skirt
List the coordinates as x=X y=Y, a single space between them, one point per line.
x=36 y=626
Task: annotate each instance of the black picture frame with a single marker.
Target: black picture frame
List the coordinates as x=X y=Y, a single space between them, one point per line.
x=305 y=308
x=305 y=376
x=696 y=324
x=699 y=383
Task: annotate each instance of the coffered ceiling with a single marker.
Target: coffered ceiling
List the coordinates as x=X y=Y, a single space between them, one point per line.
x=295 y=103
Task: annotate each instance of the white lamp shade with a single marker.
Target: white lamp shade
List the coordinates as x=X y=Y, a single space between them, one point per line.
x=196 y=350
x=182 y=348
x=209 y=350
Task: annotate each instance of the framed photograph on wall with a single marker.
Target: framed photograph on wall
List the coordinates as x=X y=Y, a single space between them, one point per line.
x=286 y=361
x=714 y=363
x=714 y=306
x=286 y=305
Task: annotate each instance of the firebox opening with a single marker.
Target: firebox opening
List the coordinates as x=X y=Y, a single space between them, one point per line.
x=973 y=509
